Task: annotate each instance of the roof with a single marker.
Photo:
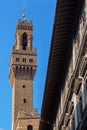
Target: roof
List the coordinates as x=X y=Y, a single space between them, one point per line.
x=65 y=27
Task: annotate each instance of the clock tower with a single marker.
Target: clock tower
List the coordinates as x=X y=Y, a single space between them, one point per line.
x=22 y=70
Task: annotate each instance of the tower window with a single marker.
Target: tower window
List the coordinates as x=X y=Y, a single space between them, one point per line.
x=24 y=41
x=20 y=68
x=23 y=86
x=16 y=67
x=24 y=100
x=30 y=127
x=17 y=59
x=24 y=59
x=27 y=69
x=23 y=68
x=31 y=60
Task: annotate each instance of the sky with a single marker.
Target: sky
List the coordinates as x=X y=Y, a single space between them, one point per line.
x=42 y=13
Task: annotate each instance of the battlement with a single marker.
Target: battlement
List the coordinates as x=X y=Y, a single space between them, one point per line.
x=24 y=25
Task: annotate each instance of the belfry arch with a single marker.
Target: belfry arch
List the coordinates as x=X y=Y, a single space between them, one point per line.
x=24 y=40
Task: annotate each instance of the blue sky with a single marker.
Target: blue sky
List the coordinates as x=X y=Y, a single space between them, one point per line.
x=41 y=12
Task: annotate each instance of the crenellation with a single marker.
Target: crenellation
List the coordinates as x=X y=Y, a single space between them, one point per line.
x=24 y=25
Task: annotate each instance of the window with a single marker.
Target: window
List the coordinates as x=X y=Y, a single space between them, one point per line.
x=17 y=59
x=86 y=81
x=23 y=86
x=20 y=68
x=73 y=124
x=16 y=67
x=24 y=100
x=30 y=127
x=86 y=91
x=27 y=69
x=78 y=111
x=24 y=59
x=31 y=70
x=23 y=68
x=30 y=60
x=80 y=105
x=24 y=41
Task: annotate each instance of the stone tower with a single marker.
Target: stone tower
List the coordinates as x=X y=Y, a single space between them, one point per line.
x=22 y=71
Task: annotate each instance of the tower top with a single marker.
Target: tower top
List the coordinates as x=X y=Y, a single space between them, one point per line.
x=23 y=14
x=23 y=24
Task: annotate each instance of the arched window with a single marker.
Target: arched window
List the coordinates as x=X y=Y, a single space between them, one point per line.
x=30 y=127
x=24 y=41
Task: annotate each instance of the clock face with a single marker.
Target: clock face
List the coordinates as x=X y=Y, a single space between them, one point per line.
x=24 y=41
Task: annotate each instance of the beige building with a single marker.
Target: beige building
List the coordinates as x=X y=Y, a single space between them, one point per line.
x=22 y=70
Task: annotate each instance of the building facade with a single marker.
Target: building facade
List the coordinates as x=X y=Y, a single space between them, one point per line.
x=64 y=104
x=72 y=111
x=22 y=70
